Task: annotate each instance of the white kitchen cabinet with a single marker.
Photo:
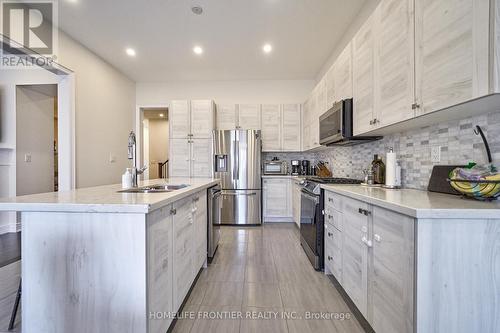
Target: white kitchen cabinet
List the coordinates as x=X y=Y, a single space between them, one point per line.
x=333 y=251
x=276 y=199
x=330 y=86
x=199 y=230
x=391 y=272
x=342 y=75
x=394 y=62
x=291 y=127
x=227 y=116
x=364 y=77
x=452 y=51
x=180 y=158
x=160 y=267
x=183 y=250
x=271 y=127
x=201 y=158
x=249 y=116
x=202 y=119
x=190 y=158
x=179 y=119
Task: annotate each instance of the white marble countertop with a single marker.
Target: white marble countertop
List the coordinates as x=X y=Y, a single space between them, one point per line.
x=420 y=204
x=106 y=199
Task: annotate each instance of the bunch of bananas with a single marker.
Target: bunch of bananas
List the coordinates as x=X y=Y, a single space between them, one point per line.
x=488 y=187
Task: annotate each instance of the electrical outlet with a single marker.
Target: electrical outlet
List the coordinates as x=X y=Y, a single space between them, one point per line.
x=27 y=158
x=436 y=154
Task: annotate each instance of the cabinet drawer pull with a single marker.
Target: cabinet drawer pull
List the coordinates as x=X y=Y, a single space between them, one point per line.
x=377 y=238
x=366 y=241
x=330 y=217
x=173 y=211
x=330 y=234
x=330 y=200
x=330 y=258
x=363 y=211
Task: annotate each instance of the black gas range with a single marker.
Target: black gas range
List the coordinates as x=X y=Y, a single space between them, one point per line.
x=312 y=218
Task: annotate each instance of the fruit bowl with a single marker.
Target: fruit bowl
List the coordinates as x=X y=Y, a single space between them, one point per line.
x=482 y=189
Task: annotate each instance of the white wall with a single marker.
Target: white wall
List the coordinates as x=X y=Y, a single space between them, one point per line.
x=105 y=108
x=258 y=91
x=353 y=28
x=158 y=144
x=35 y=136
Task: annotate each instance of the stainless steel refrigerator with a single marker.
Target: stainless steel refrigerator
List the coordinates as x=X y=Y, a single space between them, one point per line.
x=237 y=155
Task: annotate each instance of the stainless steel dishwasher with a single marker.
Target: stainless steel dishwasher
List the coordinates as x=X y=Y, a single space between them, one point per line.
x=214 y=221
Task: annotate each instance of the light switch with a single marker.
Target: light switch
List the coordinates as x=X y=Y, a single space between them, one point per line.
x=27 y=158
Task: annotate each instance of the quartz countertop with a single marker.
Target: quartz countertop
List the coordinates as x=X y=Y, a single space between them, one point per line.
x=106 y=199
x=419 y=203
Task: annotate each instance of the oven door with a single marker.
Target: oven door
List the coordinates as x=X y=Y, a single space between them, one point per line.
x=309 y=219
x=330 y=125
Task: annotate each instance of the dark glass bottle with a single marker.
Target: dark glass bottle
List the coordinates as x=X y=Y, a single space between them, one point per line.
x=378 y=167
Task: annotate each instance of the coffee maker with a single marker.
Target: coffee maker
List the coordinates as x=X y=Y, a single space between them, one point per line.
x=306 y=168
x=296 y=169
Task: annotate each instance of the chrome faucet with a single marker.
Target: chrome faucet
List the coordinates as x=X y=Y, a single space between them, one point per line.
x=132 y=155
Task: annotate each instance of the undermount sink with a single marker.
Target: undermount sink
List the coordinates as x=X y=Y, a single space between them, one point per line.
x=159 y=188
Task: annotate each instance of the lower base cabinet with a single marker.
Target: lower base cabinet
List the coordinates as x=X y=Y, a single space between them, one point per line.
x=370 y=251
x=277 y=199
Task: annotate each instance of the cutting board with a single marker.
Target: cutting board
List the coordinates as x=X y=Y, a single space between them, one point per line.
x=438 y=181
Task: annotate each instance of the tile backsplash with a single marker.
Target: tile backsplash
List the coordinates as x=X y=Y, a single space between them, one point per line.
x=459 y=145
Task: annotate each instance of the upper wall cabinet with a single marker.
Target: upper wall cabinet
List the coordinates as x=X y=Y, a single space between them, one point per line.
x=202 y=119
x=342 y=75
x=227 y=116
x=249 y=116
x=291 y=127
x=452 y=52
x=193 y=119
x=364 y=77
x=271 y=127
x=281 y=126
x=179 y=119
x=394 y=62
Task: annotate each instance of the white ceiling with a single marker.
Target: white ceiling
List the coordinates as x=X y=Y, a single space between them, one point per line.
x=303 y=34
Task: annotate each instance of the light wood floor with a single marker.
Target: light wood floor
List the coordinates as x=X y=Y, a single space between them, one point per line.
x=261 y=271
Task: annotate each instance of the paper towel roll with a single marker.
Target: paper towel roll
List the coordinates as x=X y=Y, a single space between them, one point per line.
x=391 y=179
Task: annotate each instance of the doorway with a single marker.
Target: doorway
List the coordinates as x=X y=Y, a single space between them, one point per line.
x=155 y=142
x=37 y=139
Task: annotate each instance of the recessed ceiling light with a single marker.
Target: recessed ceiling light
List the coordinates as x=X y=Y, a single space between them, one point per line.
x=197 y=10
x=161 y=115
x=267 y=48
x=130 y=52
x=197 y=50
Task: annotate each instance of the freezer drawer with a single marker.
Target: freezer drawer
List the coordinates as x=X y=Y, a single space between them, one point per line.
x=241 y=207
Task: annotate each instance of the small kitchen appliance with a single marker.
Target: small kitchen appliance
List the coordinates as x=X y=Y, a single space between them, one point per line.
x=296 y=169
x=306 y=166
x=275 y=167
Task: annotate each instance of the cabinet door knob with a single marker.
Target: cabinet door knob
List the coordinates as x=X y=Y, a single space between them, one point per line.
x=377 y=238
x=173 y=211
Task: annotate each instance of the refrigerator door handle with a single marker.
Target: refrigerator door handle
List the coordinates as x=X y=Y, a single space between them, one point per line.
x=235 y=165
x=237 y=159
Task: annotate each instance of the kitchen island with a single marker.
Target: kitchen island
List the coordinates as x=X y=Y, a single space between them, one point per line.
x=97 y=260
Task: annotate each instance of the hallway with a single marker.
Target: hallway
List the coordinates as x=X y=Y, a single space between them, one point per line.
x=262 y=272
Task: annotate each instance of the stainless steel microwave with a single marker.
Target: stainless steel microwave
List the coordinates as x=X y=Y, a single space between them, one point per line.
x=275 y=167
x=336 y=126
